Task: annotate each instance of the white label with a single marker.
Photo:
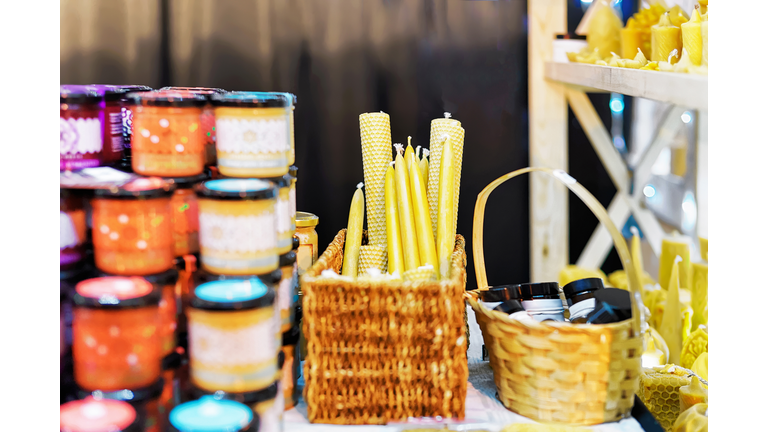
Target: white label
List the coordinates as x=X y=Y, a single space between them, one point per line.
x=67 y=232
x=80 y=136
x=252 y=136
x=249 y=345
x=286 y=296
x=283 y=211
x=242 y=234
x=116 y=131
x=292 y=204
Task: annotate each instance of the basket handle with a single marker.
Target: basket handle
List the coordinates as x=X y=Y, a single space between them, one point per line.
x=597 y=209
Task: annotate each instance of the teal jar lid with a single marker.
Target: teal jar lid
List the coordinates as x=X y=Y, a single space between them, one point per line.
x=233 y=294
x=237 y=189
x=209 y=414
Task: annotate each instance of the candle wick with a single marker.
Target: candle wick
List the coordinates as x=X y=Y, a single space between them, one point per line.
x=672 y=54
x=360 y=185
x=445 y=137
x=398 y=148
x=425 y=152
x=418 y=149
x=633 y=229
x=678 y=259
x=392 y=163
x=447 y=114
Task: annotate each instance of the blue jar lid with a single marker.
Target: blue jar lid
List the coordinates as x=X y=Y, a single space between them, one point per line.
x=209 y=414
x=233 y=294
x=237 y=189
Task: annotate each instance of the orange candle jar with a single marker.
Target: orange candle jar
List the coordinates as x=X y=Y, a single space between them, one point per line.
x=132 y=228
x=89 y=415
x=267 y=405
x=238 y=233
x=285 y=219
x=232 y=345
x=72 y=230
x=166 y=283
x=207 y=119
x=185 y=214
x=116 y=343
x=147 y=401
x=167 y=137
x=287 y=291
x=253 y=133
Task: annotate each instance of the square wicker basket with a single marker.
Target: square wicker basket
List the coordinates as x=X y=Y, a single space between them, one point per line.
x=380 y=351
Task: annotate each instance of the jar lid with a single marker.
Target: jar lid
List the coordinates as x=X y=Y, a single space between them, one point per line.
x=287 y=259
x=116 y=292
x=209 y=414
x=539 y=290
x=128 y=88
x=291 y=337
x=582 y=285
x=190 y=181
x=509 y=307
x=237 y=189
x=293 y=171
x=295 y=242
x=168 y=277
x=247 y=99
x=145 y=187
x=111 y=93
x=270 y=279
x=282 y=181
x=90 y=414
x=205 y=91
x=247 y=398
x=280 y=359
x=304 y=219
x=233 y=294
x=137 y=396
x=165 y=98
x=499 y=293
x=611 y=305
x=74 y=94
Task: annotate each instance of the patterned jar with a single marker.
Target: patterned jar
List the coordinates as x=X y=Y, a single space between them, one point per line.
x=305 y=231
x=168 y=138
x=238 y=233
x=166 y=283
x=132 y=228
x=127 y=115
x=185 y=214
x=210 y=413
x=147 y=401
x=89 y=415
x=267 y=405
x=72 y=229
x=253 y=133
x=80 y=133
x=116 y=342
x=286 y=293
x=207 y=120
x=285 y=218
x=232 y=344
x=112 y=121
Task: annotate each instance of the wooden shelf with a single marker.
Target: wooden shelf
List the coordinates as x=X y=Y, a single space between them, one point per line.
x=685 y=90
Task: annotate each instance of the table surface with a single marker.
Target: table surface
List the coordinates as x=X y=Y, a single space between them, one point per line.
x=482 y=407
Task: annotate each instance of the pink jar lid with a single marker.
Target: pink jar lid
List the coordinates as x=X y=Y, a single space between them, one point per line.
x=95 y=415
x=122 y=288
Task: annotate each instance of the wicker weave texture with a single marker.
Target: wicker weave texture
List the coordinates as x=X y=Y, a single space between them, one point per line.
x=380 y=351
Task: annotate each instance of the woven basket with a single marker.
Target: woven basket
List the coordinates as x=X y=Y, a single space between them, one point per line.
x=558 y=372
x=380 y=351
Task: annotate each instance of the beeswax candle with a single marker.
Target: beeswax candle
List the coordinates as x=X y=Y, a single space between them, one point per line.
x=405 y=209
x=665 y=37
x=705 y=40
x=376 y=142
x=692 y=38
x=699 y=296
x=704 y=247
x=701 y=365
x=354 y=234
x=695 y=344
x=424 y=166
x=637 y=256
x=427 y=253
x=440 y=128
x=671 y=326
x=631 y=39
x=446 y=228
x=692 y=394
x=409 y=154
x=652 y=356
x=604 y=32
x=394 y=241
x=671 y=247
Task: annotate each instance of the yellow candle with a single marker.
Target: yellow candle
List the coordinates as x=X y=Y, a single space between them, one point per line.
x=631 y=39
x=408 y=155
x=699 y=293
x=426 y=240
x=703 y=5
x=692 y=38
x=692 y=394
x=637 y=256
x=424 y=166
x=354 y=234
x=604 y=32
x=652 y=356
x=405 y=213
x=394 y=241
x=701 y=365
x=705 y=40
x=665 y=38
x=671 y=326
x=446 y=230
x=670 y=248
x=704 y=246
x=638 y=62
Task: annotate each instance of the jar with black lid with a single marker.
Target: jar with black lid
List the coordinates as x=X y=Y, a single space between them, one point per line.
x=611 y=305
x=496 y=295
x=542 y=300
x=80 y=128
x=580 y=295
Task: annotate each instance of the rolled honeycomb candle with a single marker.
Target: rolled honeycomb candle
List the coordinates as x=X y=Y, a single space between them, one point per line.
x=440 y=128
x=692 y=394
x=423 y=273
x=692 y=38
x=376 y=142
x=371 y=257
x=665 y=38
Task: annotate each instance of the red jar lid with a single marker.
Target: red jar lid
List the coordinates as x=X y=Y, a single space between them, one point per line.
x=116 y=292
x=93 y=415
x=199 y=90
x=168 y=98
x=145 y=187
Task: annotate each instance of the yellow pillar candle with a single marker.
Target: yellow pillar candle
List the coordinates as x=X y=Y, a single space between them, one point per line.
x=699 y=297
x=631 y=39
x=672 y=247
x=446 y=228
x=692 y=394
x=376 y=143
x=671 y=325
x=405 y=212
x=424 y=166
x=440 y=128
x=705 y=40
x=692 y=38
x=394 y=241
x=354 y=234
x=665 y=38
x=427 y=253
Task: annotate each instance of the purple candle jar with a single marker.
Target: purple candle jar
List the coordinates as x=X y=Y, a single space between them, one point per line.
x=80 y=121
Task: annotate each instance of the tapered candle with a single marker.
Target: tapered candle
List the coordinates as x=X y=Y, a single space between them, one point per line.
x=408 y=154
x=692 y=38
x=394 y=241
x=671 y=324
x=411 y=256
x=424 y=166
x=699 y=297
x=446 y=228
x=637 y=256
x=427 y=253
x=705 y=39
x=665 y=38
x=354 y=234
x=671 y=247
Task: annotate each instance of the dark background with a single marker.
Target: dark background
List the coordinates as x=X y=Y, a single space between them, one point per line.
x=413 y=59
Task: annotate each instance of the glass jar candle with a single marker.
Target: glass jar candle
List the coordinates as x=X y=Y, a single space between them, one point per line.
x=80 y=133
x=266 y=405
x=132 y=228
x=305 y=231
x=232 y=345
x=127 y=114
x=210 y=413
x=291 y=364
x=165 y=282
x=253 y=133
x=185 y=214
x=147 y=402
x=113 y=106
x=168 y=138
x=286 y=293
x=89 y=415
x=207 y=119
x=580 y=295
x=542 y=301
x=238 y=233
x=293 y=171
x=72 y=229
x=292 y=153
x=116 y=339
x=285 y=218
